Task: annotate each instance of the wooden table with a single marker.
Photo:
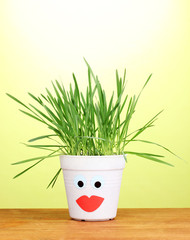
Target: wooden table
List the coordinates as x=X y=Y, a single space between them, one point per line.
x=140 y=224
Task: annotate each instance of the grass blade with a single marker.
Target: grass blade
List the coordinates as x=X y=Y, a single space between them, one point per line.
x=147 y=125
x=32 y=116
x=41 y=137
x=41 y=159
x=159 y=145
x=17 y=100
x=152 y=157
x=54 y=179
x=27 y=169
x=45 y=146
x=34 y=159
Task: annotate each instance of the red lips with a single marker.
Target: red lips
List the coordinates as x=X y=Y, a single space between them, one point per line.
x=89 y=204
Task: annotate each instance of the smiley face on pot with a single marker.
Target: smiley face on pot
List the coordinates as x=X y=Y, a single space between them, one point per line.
x=93 y=202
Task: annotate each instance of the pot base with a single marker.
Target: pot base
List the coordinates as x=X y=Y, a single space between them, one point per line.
x=93 y=220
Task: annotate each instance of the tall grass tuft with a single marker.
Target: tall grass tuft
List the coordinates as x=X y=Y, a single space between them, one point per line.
x=86 y=124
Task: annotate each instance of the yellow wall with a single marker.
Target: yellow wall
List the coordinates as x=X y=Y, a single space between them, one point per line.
x=43 y=40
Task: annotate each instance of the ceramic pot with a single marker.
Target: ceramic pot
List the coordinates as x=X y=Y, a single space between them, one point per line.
x=92 y=185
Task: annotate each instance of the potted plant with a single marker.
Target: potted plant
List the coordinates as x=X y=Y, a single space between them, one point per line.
x=91 y=136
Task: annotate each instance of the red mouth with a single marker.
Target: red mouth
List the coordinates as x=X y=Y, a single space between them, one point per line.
x=89 y=204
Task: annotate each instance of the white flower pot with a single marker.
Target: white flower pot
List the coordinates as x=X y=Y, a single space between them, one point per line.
x=92 y=185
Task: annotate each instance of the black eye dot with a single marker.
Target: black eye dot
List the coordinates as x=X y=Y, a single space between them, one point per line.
x=97 y=184
x=80 y=183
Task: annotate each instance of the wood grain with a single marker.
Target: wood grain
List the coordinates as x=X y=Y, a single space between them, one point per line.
x=130 y=224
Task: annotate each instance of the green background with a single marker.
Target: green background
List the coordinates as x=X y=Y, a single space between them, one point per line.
x=46 y=40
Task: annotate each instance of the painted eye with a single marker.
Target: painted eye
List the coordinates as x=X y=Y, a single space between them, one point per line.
x=97 y=182
x=80 y=181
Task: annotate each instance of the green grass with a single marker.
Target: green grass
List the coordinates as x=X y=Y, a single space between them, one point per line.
x=86 y=124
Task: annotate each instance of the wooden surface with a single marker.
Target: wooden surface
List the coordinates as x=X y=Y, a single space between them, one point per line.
x=140 y=224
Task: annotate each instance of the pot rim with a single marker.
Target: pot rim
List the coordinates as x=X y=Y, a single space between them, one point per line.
x=81 y=162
